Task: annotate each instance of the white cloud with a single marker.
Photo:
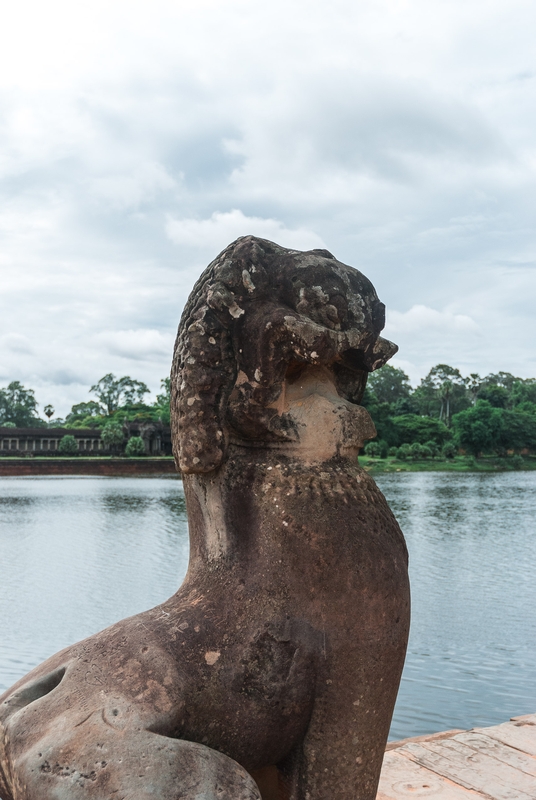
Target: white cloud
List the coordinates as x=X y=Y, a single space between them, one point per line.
x=222 y=228
x=16 y=343
x=422 y=320
x=128 y=190
x=138 y=345
x=427 y=337
x=138 y=139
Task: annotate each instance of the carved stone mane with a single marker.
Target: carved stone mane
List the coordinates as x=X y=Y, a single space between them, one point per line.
x=273 y=671
x=258 y=311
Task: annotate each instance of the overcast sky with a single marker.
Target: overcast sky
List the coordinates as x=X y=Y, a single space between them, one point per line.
x=137 y=139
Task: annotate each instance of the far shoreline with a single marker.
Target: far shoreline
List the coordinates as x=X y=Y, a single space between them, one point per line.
x=165 y=465
x=109 y=466
x=459 y=463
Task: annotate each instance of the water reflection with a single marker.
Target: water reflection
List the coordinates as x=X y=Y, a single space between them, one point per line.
x=472 y=647
x=79 y=553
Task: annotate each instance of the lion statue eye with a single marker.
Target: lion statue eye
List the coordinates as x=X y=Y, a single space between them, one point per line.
x=341 y=305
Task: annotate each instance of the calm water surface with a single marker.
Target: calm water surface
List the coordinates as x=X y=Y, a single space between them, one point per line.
x=77 y=554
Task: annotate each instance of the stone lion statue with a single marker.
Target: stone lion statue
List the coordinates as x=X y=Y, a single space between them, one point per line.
x=273 y=671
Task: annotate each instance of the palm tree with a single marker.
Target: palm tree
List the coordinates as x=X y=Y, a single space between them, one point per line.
x=445 y=390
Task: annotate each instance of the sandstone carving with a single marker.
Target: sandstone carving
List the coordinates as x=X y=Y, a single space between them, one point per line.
x=273 y=670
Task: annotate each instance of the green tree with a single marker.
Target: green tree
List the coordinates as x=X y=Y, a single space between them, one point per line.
x=112 y=436
x=442 y=393
x=164 y=397
x=527 y=406
x=523 y=391
x=381 y=416
x=19 y=406
x=505 y=379
x=449 y=450
x=497 y=396
x=135 y=447
x=450 y=386
x=405 y=405
x=416 y=451
x=88 y=409
x=413 y=428
x=403 y=452
x=372 y=449
x=432 y=447
x=68 y=446
x=477 y=429
x=426 y=399
x=384 y=448
x=162 y=405
x=473 y=384
x=114 y=392
x=389 y=384
x=517 y=430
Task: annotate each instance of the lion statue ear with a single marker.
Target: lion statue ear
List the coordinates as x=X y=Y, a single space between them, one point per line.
x=203 y=371
x=204 y=365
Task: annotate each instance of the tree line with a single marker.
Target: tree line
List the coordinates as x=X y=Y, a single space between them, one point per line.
x=118 y=400
x=495 y=414
x=446 y=411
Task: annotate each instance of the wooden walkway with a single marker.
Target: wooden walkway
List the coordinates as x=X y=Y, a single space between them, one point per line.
x=497 y=763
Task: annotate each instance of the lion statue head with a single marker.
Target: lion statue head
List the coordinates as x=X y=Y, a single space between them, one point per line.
x=258 y=314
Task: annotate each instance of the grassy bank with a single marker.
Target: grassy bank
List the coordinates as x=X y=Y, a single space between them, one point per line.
x=456 y=464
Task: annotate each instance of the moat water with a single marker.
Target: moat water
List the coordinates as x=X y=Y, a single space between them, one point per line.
x=77 y=554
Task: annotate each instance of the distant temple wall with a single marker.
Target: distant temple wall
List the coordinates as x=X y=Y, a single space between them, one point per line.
x=45 y=441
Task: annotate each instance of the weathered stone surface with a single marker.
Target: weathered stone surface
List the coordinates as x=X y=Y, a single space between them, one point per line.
x=280 y=655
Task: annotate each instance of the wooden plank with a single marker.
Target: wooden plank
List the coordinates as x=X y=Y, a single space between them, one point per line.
x=401 y=778
x=427 y=737
x=502 y=752
x=473 y=770
x=520 y=733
